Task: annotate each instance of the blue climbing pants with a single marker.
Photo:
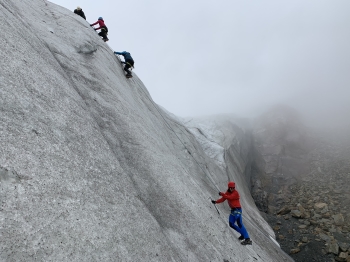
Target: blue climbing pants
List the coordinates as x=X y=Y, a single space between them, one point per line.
x=236 y=216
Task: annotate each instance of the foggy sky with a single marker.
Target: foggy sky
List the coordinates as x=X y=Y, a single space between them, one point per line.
x=209 y=57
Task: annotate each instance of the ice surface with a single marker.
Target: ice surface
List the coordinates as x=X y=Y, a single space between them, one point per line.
x=92 y=169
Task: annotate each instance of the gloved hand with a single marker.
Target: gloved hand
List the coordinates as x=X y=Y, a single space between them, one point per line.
x=213 y=201
x=221 y=194
x=90 y=25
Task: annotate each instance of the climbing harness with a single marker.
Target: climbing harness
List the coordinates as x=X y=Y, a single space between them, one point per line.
x=129 y=64
x=235 y=212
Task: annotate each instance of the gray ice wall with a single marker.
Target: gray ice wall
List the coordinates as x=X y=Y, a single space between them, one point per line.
x=90 y=168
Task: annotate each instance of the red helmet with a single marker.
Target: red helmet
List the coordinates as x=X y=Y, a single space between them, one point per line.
x=231 y=184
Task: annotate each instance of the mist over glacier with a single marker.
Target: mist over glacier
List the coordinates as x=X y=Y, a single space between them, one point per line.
x=203 y=58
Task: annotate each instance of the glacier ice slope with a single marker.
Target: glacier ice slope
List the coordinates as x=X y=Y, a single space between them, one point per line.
x=89 y=168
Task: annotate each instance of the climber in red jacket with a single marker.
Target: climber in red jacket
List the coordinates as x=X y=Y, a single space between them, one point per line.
x=232 y=197
x=103 y=27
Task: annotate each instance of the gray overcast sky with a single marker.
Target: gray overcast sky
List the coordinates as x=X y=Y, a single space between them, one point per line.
x=206 y=57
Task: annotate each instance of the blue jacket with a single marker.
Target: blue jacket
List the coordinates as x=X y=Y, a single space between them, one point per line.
x=126 y=55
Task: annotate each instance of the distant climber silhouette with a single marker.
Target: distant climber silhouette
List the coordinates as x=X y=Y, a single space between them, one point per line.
x=80 y=12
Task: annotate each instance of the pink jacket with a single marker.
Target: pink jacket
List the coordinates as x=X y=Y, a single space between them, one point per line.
x=101 y=24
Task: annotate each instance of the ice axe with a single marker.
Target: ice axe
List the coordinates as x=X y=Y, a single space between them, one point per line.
x=215 y=206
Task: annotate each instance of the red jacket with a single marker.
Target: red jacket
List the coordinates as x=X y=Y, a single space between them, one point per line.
x=232 y=199
x=101 y=24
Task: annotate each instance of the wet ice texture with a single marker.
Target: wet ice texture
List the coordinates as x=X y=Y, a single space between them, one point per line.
x=91 y=169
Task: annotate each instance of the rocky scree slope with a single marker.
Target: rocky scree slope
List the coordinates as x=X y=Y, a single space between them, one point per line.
x=300 y=180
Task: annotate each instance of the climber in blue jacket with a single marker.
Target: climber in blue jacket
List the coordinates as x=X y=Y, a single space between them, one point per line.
x=129 y=62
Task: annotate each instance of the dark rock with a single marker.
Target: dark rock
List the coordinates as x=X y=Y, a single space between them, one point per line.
x=342 y=257
x=338 y=219
x=324 y=237
x=276 y=228
x=319 y=206
x=284 y=210
x=296 y=213
x=344 y=246
x=295 y=250
x=332 y=247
